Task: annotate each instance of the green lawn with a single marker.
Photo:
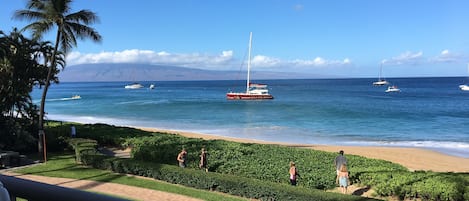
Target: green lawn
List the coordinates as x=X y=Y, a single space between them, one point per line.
x=63 y=165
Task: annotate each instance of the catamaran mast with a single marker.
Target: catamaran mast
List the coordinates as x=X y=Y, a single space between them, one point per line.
x=249 y=62
x=380 y=71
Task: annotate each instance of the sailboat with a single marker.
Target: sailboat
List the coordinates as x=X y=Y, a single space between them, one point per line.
x=253 y=91
x=134 y=85
x=381 y=81
x=465 y=87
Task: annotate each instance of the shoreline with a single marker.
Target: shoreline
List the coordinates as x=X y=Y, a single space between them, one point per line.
x=409 y=157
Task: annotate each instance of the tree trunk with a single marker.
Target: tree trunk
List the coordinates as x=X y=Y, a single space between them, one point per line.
x=41 y=136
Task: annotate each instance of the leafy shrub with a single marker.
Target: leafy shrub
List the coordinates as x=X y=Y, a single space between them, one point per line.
x=241 y=186
x=269 y=163
x=82 y=146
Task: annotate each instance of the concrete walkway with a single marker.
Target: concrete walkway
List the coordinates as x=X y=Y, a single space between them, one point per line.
x=124 y=191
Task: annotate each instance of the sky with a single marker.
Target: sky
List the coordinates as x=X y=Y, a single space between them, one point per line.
x=345 y=38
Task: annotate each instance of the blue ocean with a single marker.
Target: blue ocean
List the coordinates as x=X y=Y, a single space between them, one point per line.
x=428 y=113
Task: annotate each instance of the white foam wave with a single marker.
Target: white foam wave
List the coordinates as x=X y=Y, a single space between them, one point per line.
x=460 y=149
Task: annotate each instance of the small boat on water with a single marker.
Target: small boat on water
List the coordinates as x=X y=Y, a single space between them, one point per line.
x=464 y=87
x=152 y=86
x=393 y=88
x=381 y=81
x=76 y=97
x=253 y=91
x=134 y=85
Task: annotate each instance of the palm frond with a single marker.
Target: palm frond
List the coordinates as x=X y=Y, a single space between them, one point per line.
x=83 y=16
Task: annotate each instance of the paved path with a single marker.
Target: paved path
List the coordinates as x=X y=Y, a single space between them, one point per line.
x=129 y=192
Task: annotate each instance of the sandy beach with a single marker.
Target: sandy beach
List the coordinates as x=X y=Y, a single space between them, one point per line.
x=412 y=158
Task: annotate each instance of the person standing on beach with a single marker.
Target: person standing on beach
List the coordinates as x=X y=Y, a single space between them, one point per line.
x=182 y=158
x=343 y=178
x=338 y=162
x=203 y=160
x=293 y=173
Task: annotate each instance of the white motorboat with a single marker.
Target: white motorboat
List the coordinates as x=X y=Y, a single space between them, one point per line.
x=152 y=86
x=393 y=88
x=464 y=87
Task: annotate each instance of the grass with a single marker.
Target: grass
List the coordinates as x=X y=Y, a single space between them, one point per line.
x=64 y=166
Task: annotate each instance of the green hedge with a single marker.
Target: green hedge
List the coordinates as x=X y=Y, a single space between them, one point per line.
x=240 y=186
x=270 y=163
x=424 y=185
x=260 y=161
x=83 y=146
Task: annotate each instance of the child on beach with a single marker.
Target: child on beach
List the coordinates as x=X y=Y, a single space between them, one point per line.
x=182 y=158
x=343 y=178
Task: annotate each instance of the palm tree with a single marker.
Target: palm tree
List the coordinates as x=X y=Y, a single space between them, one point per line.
x=49 y=14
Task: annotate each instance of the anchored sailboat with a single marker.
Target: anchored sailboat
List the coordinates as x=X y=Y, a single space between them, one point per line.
x=134 y=85
x=465 y=87
x=253 y=91
x=381 y=81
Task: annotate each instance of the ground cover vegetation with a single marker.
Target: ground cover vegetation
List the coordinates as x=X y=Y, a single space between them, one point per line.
x=235 y=165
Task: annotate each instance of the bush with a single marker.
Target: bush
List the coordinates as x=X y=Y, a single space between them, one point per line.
x=240 y=186
x=82 y=146
x=269 y=163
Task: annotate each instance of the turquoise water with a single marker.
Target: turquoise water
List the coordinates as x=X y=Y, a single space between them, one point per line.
x=429 y=112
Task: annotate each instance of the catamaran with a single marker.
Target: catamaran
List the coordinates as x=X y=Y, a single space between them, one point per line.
x=381 y=81
x=253 y=91
x=134 y=85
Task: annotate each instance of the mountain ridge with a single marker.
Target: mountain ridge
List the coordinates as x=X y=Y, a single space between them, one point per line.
x=147 y=72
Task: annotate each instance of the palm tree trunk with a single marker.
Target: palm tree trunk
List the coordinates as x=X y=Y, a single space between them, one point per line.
x=41 y=134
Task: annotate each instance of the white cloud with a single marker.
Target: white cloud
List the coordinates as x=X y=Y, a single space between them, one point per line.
x=264 y=61
x=408 y=57
x=152 y=57
x=321 y=62
x=417 y=58
x=446 y=57
x=223 y=61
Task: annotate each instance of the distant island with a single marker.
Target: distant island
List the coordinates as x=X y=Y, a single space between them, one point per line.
x=106 y=72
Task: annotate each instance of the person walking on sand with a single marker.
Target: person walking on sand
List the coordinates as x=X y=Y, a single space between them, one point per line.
x=293 y=173
x=203 y=160
x=338 y=162
x=344 y=180
x=182 y=158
